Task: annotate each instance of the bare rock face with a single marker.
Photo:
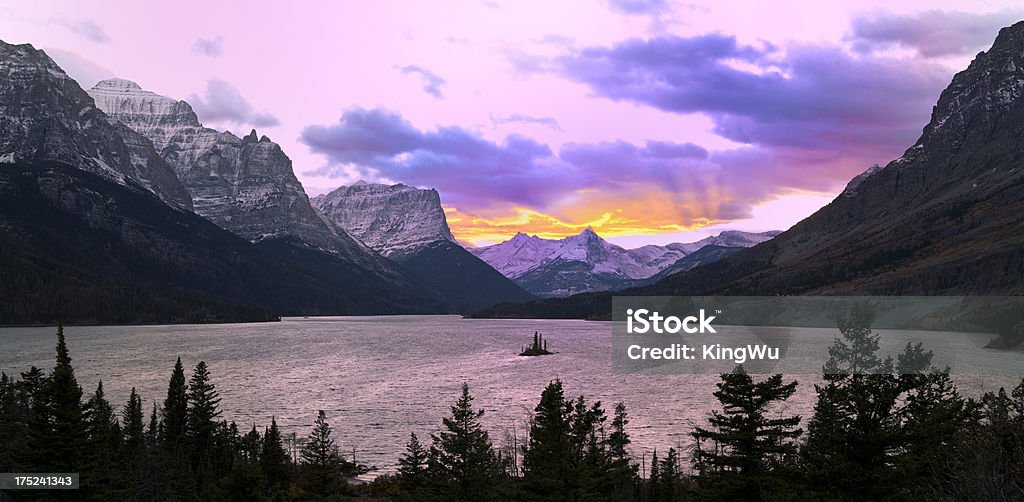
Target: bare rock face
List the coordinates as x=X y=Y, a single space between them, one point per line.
x=407 y=225
x=391 y=219
x=245 y=185
x=46 y=116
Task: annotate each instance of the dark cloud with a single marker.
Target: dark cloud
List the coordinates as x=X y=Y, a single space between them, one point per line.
x=222 y=103
x=458 y=162
x=86 y=29
x=432 y=82
x=210 y=47
x=932 y=33
x=813 y=97
x=517 y=118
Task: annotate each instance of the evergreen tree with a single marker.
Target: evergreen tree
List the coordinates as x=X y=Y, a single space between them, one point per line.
x=746 y=443
x=131 y=415
x=175 y=410
x=202 y=414
x=462 y=457
x=202 y=428
x=549 y=469
x=622 y=471
x=104 y=471
x=569 y=455
x=870 y=413
x=274 y=461
x=667 y=486
x=412 y=466
x=321 y=473
x=57 y=433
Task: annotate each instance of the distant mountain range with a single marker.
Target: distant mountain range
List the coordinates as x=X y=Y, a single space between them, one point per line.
x=945 y=218
x=587 y=262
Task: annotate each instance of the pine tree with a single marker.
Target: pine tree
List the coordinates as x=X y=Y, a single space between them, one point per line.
x=875 y=421
x=131 y=415
x=57 y=435
x=746 y=443
x=462 y=456
x=274 y=461
x=321 y=475
x=548 y=457
x=105 y=469
x=412 y=466
x=622 y=471
x=201 y=418
x=175 y=410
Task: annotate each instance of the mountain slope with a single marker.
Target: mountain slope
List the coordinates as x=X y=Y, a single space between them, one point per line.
x=408 y=226
x=586 y=262
x=45 y=115
x=945 y=218
x=76 y=247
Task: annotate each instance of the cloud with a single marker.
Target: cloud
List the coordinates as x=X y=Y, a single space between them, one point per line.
x=210 y=47
x=810 y=97
x=517 y=118
x=222 y=103
x=465 y=166
x=84 y=70
x=431 y=81
x=638 y=7
x=86 y=29
x=932 y=34
x=498 y=188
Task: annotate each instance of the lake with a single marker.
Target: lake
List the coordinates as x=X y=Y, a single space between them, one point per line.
x=380 y=378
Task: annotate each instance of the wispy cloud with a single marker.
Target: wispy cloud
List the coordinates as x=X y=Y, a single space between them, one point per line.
x=87 y=29
x=432 y=82
x=210 y=47
x=221 y=102
x=517 y=118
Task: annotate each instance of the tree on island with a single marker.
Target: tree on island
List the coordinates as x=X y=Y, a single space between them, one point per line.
x=539 y=347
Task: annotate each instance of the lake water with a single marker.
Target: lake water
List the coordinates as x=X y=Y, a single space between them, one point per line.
x=380 y=378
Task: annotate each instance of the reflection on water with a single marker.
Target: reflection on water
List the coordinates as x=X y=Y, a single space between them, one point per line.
x=380 y=378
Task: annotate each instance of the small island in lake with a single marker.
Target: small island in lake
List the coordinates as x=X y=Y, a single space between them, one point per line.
x=539 y=347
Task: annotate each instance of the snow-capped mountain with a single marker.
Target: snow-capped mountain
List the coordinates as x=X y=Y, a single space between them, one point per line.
x=390 y=219
x=46 y=116
x=408 y=225
x=245 y=185
x=586 y=262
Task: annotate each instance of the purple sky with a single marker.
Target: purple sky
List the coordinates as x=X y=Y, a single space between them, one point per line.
x=652 y=121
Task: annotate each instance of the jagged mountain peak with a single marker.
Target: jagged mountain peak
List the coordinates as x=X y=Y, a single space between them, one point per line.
x=587 y=262
x=45 y=115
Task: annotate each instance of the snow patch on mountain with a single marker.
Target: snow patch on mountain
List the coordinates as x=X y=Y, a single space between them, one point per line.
x=587 y=262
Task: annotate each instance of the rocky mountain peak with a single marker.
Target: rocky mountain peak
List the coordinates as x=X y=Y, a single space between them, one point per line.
x=45 y=115
x=391 y=219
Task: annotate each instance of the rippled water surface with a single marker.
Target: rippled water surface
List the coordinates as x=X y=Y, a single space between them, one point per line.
x=380 y=378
